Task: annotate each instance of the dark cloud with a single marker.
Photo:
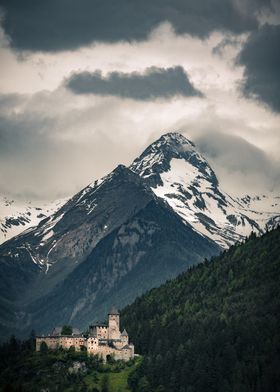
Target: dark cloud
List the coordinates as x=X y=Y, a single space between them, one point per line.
x=153 y=83
x=261 y=57
x=53 y=25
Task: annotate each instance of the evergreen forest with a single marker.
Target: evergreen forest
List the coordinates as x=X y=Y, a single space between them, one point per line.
x=215 y=328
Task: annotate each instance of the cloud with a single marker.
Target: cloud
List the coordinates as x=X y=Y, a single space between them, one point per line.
x=56 y=25
x=241 y=166
x=261 y=58
x=52 y=144
x=164 y=49
x=10 y=101
x=54 y=141
x=57 y=142
x=153 y=83
x=225 y=43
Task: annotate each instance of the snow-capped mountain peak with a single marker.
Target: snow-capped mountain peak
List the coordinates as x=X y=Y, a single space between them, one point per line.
x=175 y=170
x=157 y=158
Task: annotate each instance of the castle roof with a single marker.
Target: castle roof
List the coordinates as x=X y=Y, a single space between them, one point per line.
x=124 y=333
x=113 y=311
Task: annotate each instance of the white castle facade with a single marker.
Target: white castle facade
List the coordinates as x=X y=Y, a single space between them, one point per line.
x=102 y=340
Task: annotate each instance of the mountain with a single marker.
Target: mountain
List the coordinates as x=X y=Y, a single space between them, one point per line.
x=215 y=327
x=120 y=236
x=17 y=216
x=109 y=243
x=175 y=171
x=178 y=173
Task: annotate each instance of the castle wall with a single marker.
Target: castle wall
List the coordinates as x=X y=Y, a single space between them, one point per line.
x=92 y=345
x=54 y=342
x=100 y=332
x=124 y=339
x=125 y=354
x=118 y=352
x=51 y=342
x=72 y=341
x=119 y=344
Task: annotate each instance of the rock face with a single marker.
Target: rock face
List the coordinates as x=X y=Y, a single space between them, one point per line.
x=119 y=237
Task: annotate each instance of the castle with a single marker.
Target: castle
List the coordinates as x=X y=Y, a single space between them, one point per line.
x=102 y=340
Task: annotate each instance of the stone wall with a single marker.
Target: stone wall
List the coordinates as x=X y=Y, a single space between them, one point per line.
x=100 y=332
x=66 y=342
x=119 y=352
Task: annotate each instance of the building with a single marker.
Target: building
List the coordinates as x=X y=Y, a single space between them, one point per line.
x=102 y=340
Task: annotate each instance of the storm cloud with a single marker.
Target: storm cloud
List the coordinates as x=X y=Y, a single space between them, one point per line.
x=63 y=124
x=261 y=58
x=153 y=83
x=56 y=25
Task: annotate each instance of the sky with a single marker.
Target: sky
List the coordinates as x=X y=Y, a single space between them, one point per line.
x=87 y=85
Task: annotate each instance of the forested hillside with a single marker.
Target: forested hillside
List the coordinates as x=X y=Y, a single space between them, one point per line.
x=215 y=327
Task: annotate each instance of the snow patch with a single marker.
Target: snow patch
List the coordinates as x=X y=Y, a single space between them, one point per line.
x=48 y=235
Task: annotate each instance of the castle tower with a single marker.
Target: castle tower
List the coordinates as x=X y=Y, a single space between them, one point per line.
x=124 y=337
x=114 y=324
